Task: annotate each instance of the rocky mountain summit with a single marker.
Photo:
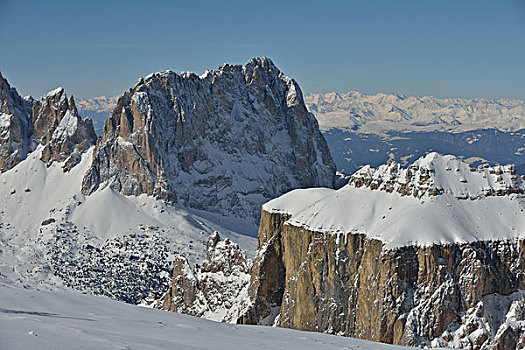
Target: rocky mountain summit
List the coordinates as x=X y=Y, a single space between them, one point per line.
x=435 y=174
x=52 y=121
x=15 y=126
x=225 y=141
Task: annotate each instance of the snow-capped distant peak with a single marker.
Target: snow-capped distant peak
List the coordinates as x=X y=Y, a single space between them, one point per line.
x=436 y=174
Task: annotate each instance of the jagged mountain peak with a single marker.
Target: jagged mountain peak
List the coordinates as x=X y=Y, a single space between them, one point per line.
x=228 y=140
x=52 y=121
x=59 y=91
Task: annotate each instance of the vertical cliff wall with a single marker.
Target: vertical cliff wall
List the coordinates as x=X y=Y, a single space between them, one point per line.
x=351 y=285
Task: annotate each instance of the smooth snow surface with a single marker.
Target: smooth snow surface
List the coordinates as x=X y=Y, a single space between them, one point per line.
x=32 y=319
x=407 y=220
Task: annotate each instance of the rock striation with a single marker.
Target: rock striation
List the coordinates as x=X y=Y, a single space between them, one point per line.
x=328 y=275
x=53 y=121
x=225 y=141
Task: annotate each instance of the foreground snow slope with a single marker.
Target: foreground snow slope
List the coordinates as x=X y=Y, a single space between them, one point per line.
x=32 y=319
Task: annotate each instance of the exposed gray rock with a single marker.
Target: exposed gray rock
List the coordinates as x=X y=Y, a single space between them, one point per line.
x=218 y=290
x=225 y=141
x=60 y=128
x=15 y=126
x=52 y=121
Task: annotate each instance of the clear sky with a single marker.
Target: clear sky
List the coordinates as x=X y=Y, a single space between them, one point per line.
x=445 y=48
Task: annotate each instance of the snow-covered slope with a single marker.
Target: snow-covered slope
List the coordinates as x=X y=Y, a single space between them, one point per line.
x=32 y=319
x=372 y=129
x=438 y=199
x=52 y=236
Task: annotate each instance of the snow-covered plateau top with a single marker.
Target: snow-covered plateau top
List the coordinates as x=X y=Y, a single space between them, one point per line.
x=381 y=113
x=438 y=199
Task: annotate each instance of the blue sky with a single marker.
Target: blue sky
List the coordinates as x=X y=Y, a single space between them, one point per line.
x=446 y=48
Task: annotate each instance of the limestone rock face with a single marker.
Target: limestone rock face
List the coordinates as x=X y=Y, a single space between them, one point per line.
x=428 y=255
x=15 y=126
x=451 y=295
x=60 y=128
x=217 y=290
x=53 y=121
x=225 y=141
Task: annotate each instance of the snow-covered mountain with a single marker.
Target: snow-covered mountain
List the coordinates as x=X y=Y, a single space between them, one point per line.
x=182 y=157
x=225 y=141
x=373 y=129
x=426 y=255
x=53 y=122
x=376 y=114
x=437 y=199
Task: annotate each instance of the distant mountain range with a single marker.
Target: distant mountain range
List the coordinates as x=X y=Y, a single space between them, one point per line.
x=98 y=109
x=366 y=129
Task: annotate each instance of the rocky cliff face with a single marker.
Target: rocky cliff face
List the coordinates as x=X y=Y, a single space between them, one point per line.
x=442 y=295
x=225 y=141
x=462 y=292
x=15 y=126
x=53 y=121
x=218 y=290
x=60 y=128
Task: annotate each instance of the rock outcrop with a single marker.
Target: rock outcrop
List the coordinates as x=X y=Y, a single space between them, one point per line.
x=60 y=129
x=53 y=121
x=15 y=126
x=217 y=290
x=462 y=291
x=225 y=141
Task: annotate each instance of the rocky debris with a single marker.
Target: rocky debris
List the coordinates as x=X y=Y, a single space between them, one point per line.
x=217 y=290
x=456 y=295
x=225 y=141
x=15 y=126
x=128 y=268
x=52 y=121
